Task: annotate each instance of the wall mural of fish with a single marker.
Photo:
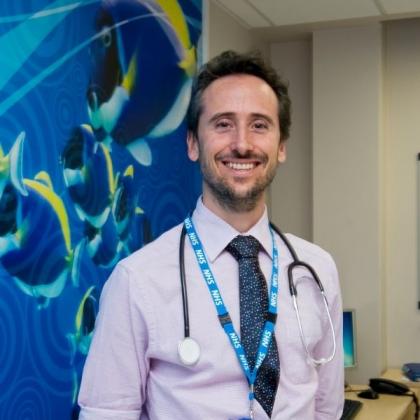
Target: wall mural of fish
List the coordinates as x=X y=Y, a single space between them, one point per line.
x=93 y=166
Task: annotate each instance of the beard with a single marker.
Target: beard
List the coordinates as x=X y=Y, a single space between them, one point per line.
x=230 y=198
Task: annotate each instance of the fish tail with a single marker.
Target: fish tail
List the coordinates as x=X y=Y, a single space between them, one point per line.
x=13 y=163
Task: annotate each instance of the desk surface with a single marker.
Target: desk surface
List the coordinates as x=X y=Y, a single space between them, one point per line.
x=397 y=375
x=386 y=407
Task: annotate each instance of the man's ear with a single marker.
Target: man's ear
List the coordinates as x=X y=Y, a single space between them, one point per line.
x=192 y=146
x=281 y=155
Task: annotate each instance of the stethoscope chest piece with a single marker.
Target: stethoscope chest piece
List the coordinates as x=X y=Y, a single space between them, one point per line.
x=188 y=351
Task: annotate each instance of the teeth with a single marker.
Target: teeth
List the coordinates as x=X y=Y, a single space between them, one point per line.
x=240 y=166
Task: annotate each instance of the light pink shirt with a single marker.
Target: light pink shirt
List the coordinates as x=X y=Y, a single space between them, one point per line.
x=133 y=369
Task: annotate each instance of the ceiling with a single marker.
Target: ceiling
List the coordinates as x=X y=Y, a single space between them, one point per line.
x=275 y=15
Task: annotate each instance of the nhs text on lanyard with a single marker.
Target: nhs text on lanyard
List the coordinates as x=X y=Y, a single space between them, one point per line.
x=224 y=316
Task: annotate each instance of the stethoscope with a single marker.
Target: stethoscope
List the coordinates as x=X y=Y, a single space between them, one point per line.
x=189 y=349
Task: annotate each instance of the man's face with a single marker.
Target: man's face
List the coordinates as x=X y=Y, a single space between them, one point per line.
x=238 y=143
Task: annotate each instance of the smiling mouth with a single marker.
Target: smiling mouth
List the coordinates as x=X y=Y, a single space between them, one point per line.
x=238 y=166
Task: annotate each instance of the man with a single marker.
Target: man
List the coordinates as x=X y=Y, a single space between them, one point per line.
x=238 y=121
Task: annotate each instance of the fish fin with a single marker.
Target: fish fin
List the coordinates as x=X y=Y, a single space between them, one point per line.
x=129 y=171
x=4 y=164
x=73 y=346
x=25 y=288
x=177 y=20
x=79 y=314
x=75 y=387
x=189 y=63
x=110 y=111
x=99 y=220
x=45 y=179
x=109 y=167
x=72 y=177
x=84 y=344
x=77 y=262
x=95 y=117
x=34 y=291
x=56 y=203
x=107 y=142
x=80 y=212
x=8 y=243
x=138 y=210
x=172 y=120
x=16 y=164
x=54 y=289
x=88 y=128
x=140 y=151
x=20 y=234
x=130 y=77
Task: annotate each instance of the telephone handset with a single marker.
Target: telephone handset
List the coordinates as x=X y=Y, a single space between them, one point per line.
x=387 y=386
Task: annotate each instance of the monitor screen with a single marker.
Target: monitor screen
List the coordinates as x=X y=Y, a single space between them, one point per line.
x=349 y=338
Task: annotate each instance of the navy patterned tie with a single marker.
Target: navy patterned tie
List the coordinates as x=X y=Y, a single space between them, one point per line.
x=253 y=300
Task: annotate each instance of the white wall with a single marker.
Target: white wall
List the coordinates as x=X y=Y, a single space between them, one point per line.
x=225 y=33
x=291 y=191
x=402 y=128
x=347 y=181
x=350 y=183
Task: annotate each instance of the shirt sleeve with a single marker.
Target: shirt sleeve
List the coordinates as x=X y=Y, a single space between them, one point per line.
x=329 y=398
x=114 y=377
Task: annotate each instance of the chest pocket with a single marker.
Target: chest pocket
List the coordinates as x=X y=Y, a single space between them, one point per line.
x=296 y=366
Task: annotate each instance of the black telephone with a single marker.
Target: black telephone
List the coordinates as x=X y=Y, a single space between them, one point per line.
x=387 y=386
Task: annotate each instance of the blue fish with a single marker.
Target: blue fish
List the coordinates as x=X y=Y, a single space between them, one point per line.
x=84 y=322
x=124 y=204
x=88 y=175
x=35 y=242
x=143 y=66
x=103 y=245
x=106 y=245
x=81 y=338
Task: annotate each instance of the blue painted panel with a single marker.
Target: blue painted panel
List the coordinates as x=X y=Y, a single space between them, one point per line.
x=93 y=165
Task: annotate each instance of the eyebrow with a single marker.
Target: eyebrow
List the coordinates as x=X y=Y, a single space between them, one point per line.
x=254 y=115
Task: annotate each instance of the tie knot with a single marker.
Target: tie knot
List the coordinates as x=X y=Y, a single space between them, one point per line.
x=244 y=247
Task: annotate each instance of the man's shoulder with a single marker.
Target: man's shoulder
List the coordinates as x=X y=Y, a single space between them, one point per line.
x=309 y=251
x=163 y=248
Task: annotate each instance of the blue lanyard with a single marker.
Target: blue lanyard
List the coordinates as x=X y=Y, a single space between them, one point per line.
x=223 y=314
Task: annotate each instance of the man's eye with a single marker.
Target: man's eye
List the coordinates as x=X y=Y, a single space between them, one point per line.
x=223 y=124
x=260 y=125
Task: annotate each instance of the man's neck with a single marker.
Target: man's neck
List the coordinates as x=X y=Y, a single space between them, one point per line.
x=241 y=221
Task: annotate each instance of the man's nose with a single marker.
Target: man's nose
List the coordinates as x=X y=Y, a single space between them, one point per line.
x=242 y=141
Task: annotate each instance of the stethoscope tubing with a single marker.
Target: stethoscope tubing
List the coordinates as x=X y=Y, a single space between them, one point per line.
x=292 y=288
x=184 y=282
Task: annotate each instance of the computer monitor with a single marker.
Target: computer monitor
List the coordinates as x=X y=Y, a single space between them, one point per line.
x=349 y=338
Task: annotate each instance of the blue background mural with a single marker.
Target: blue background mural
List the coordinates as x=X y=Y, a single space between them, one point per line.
x=93 y=165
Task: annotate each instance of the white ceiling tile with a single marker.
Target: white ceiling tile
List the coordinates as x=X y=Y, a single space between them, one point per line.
x=245 y=12
x=290 y=12
x=400 y=6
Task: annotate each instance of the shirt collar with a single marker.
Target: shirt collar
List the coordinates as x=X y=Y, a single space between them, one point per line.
x=215 y=233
